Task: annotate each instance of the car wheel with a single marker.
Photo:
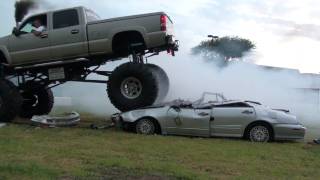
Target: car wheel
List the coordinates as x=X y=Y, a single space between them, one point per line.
x=163 y=81
x=10 y=101
x=260 y=133
x=145 y=126
x=37 y=100
x=132 y=86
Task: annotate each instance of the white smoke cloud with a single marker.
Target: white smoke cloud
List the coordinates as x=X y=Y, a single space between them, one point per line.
x=190 y=76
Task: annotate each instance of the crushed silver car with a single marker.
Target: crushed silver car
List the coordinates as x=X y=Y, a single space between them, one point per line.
x=213 y=116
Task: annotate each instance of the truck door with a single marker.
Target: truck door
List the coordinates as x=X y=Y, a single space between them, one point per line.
x=68 y=37
x=27 y=47
x=229 y=120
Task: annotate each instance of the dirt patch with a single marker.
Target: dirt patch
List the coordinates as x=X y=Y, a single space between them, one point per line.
x=115 y=173
x=119 y=173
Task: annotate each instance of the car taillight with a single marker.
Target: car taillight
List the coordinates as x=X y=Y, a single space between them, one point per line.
x=163 y=22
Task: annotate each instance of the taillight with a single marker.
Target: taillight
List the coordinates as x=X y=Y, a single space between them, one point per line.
x=163 y=22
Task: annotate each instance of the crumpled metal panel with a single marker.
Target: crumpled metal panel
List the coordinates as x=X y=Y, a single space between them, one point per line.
x=68 y=119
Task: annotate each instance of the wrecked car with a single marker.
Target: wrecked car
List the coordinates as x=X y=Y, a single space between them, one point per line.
x=213 y=117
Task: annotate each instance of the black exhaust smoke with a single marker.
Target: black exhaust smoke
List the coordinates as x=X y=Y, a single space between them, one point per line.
x=22 y=8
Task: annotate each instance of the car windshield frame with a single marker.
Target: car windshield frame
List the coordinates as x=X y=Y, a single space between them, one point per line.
x=205 y=94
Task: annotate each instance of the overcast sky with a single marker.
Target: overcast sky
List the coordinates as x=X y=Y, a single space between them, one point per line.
x=286 y=32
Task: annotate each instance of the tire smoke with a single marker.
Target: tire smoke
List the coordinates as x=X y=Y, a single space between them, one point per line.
x=190 y=76
x=278 y=88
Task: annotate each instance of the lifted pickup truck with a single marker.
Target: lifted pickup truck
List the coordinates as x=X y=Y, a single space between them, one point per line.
x=74 y=44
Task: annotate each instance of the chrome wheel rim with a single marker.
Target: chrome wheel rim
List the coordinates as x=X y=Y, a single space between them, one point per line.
x=259 y=134
x=145 y=127
x=131 y=88
x=31 y=100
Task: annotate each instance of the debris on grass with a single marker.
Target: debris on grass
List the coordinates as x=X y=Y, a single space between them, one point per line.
x=106 y=124
x=64 y=120
x=2 y=125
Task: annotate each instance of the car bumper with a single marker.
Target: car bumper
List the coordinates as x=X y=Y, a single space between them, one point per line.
x=121 y=124
x=117 y=120
x=289 y=131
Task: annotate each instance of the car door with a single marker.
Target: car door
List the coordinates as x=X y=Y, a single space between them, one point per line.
x=27 y=47
x=229 y=120
x=188 y=121
x=68 y=37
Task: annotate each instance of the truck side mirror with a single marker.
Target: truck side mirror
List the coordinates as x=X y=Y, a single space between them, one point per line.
x=16 y=31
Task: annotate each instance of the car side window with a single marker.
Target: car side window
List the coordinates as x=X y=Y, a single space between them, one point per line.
x=65 y=19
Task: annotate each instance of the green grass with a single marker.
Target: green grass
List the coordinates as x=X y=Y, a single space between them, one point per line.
x=80 y=153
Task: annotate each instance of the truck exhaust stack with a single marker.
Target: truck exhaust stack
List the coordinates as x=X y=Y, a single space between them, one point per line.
x=22 y=8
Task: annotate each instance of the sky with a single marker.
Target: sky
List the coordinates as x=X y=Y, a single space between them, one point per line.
x=286 y=32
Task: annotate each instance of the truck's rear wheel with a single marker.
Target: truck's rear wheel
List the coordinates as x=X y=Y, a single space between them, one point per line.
x=10 y=101
x=163 y=81
x=133 y=85
x=37 y=100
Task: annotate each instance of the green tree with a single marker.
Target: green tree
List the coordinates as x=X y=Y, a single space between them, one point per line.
x=224 y=50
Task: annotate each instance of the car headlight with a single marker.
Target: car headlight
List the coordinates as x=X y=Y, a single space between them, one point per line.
x=115 y=118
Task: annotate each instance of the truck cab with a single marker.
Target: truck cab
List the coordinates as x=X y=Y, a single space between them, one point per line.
x=64 y=37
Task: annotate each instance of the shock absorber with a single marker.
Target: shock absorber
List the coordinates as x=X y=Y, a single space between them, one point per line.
x=1 y=71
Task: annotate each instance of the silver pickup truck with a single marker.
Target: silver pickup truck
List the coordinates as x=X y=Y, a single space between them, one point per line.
x=74 y=43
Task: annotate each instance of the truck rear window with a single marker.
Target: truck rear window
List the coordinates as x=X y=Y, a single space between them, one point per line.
x=65 y=18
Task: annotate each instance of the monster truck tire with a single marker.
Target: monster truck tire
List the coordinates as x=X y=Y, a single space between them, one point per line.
x=132 y=86
x=10 y=101
x=37 y=100
x=163 y=81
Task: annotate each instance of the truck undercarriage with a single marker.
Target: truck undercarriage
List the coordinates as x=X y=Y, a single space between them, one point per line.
x=131 y=85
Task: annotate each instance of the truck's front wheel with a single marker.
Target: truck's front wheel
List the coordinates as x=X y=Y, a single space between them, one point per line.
x=37 y=100
x=133 y=85
x=10 y=101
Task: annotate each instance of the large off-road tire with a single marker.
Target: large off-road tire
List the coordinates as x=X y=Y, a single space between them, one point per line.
x=37 y=100
x=163 y=81
x=132 y=86
x=10 y=101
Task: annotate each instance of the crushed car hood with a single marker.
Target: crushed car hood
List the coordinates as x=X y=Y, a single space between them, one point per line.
x=278 y=115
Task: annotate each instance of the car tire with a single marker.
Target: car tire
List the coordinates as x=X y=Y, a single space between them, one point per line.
x=132 y=86
x=163 y=81
x=37 y=100
x=146 y=127
x=260 y=132
x=10 y=101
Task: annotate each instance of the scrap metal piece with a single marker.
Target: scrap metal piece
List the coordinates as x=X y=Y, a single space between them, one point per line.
x=69 y=119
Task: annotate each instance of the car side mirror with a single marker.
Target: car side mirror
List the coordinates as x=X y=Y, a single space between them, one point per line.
x=176 y=108
x=16 y=31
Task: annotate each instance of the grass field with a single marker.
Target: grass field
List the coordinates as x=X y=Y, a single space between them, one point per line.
x=27 y=152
